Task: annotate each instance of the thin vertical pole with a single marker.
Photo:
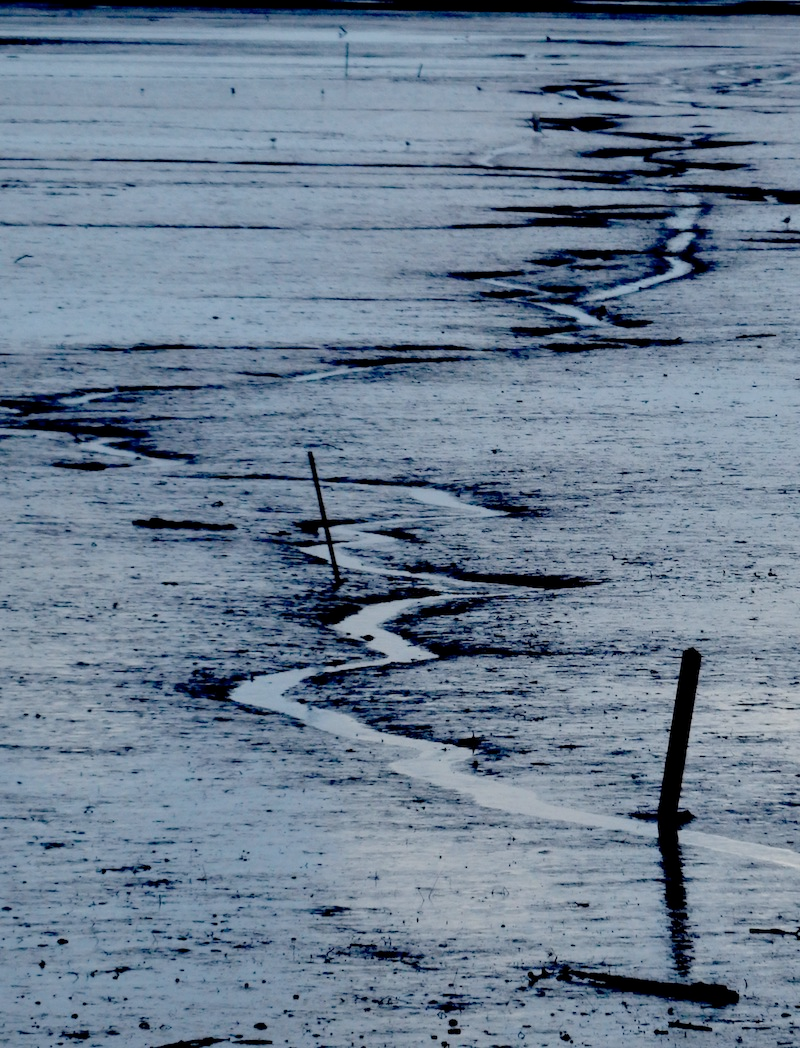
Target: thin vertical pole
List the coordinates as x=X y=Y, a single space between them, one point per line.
x=324 y=516
x=346 y=59
x=679 y=737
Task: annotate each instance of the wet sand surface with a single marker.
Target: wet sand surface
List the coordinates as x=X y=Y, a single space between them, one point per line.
x=526 y=286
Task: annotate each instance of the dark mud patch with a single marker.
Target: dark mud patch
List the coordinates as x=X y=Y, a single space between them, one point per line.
x=587 y=124
x=455 y=607
x=36 y=404
x=390 y=361
x=149 y=347
x=92 y=467
x=613 y=343
x=596 y=90
x=520 y=331
x=578 y=259
x=497 y=501
x=52 y=403
x=417 y=347
x=403 y=534
x=545 y=582
x=204 y=683
x=138 y=441
x=311 y=527
x=374 y=952
x=486 y=274
x=182 y=525
x=597 y=217
x=338 y=609
x=752 y=194
x=629 y=322
x=456 y=649
x=507 y=293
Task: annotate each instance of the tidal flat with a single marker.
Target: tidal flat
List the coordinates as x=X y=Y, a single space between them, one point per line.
x=526 y=286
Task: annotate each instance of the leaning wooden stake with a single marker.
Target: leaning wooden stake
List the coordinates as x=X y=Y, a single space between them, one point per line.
x=324 y=517
x=679 y=738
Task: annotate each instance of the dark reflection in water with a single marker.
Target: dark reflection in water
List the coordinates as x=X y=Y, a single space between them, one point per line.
x=675 y=897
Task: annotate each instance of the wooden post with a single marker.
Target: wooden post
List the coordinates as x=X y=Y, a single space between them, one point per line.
x=337 y=577
x=679 y=737
x=346 y=59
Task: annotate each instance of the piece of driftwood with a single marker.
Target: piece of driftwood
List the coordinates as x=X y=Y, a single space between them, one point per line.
x=701 y=993
x=776 y=931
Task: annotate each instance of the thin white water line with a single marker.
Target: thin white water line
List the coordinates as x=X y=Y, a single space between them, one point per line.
x=85 y=398
x=319 y=376
x=105 y=446
x=678 y=267
x=365 y=625
x=444 y=500
x=572 y=311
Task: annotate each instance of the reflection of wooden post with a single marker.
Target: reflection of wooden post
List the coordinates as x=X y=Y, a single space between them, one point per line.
x=679 y=737
x=323 y=515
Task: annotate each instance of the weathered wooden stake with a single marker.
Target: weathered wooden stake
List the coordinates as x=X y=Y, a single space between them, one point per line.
x=679 y=737
x=346 y=59
x=324 y=517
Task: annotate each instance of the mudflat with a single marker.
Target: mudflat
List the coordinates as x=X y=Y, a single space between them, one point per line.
x=526 y=287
